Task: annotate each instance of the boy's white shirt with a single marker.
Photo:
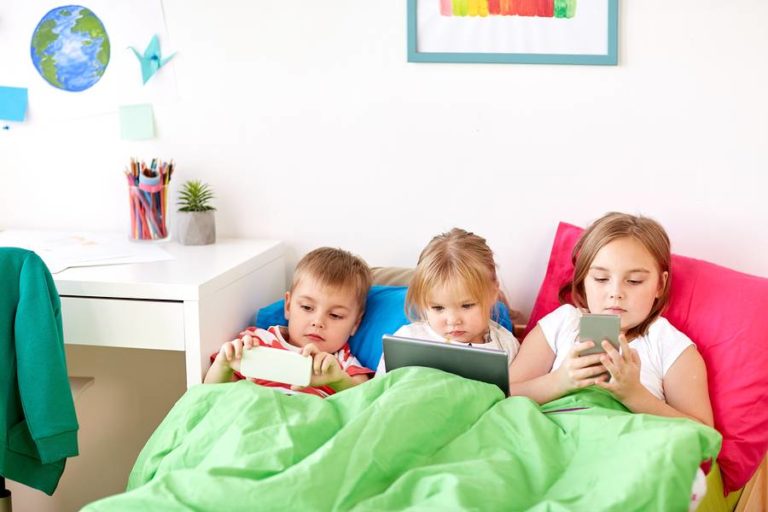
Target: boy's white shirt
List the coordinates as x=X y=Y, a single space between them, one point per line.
x=658 y=349
x=499 y=338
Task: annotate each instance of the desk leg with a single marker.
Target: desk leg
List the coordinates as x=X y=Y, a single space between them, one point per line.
x=192 y=355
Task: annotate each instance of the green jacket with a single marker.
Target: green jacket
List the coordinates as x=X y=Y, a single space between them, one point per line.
x=38 y=427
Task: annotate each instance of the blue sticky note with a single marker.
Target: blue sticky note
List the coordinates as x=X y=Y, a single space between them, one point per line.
x=137 y=122
x=13 y=103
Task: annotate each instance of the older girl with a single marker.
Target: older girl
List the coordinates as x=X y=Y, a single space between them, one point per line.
x=622 y=266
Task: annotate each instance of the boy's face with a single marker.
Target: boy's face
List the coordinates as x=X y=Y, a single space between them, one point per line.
x=322 y=315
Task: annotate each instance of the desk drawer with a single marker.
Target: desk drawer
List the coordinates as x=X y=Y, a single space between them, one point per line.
x=123 y=323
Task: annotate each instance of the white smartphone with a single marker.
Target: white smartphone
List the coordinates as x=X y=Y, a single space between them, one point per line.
x=598 y=328
x=276 y=365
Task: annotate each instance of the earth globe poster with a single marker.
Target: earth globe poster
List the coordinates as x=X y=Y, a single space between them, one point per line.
x=70 y=48
x=75 y=59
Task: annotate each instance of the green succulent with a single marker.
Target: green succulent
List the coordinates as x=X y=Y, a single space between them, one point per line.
x=195 y=196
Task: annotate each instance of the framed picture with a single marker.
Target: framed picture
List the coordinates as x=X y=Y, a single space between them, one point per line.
x=513 y=31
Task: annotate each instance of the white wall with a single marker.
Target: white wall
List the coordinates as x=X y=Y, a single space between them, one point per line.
x=312 y=128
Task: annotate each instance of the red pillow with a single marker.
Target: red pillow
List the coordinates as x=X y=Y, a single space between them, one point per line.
x=723 y=312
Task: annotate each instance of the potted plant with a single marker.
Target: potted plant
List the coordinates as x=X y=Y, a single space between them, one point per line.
x=195 y=221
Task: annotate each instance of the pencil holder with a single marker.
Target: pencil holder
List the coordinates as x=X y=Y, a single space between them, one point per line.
x=147 y=197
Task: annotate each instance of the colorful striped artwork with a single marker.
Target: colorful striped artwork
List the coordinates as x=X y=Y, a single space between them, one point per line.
x=482 y=8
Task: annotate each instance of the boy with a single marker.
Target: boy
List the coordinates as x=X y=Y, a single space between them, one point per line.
x=324 y=308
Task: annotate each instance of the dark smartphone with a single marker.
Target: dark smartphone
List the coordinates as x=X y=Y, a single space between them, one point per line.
x=598 y=328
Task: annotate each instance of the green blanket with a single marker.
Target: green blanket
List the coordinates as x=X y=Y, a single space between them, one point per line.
x=413 y=439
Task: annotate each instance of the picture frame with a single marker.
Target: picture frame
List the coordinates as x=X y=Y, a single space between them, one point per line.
x=487 y=31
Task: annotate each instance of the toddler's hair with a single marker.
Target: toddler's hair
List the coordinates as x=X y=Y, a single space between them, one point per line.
x=456 y=257
x=606 y=229
x=336 y=268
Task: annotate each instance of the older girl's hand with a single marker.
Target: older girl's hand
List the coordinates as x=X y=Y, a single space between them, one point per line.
x=579 y=371
x=624 y=368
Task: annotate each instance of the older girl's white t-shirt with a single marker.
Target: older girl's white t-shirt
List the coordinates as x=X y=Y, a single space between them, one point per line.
x=658 y=349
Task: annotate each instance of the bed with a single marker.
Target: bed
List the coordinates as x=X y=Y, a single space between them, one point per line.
x=418 y=438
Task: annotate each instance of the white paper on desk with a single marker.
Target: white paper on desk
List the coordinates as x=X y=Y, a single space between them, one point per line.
x=63 y=249
x=276 y=365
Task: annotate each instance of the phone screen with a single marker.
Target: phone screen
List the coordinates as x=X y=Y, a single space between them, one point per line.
x=598 y=328
x=276 y=365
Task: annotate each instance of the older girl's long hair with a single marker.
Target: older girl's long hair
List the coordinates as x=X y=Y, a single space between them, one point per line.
x=613 y=226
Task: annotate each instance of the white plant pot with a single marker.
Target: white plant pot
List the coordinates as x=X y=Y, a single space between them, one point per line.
x=196 y=228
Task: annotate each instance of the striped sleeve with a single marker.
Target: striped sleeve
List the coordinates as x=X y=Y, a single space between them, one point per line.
x=350 y=364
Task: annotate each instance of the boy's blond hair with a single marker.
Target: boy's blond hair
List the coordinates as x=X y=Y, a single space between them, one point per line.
x=336 y=268
x=613 y=226
x=458 y=257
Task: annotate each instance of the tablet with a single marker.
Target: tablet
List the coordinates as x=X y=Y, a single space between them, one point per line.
x=469 y=361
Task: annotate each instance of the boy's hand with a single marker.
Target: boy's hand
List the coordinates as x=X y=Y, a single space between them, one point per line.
x=231 y=353
x=326 y=369
x=579 y=371
x=228 y=360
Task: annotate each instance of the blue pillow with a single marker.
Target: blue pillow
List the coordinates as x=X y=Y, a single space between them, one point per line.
x=384 y=314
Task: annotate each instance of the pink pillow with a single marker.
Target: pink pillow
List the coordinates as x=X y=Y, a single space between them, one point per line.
x=724 y=313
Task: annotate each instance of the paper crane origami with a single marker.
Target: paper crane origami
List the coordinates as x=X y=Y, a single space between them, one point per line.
x=151 y=61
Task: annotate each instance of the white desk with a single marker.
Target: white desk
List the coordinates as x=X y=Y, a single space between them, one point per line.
x=192 y=303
